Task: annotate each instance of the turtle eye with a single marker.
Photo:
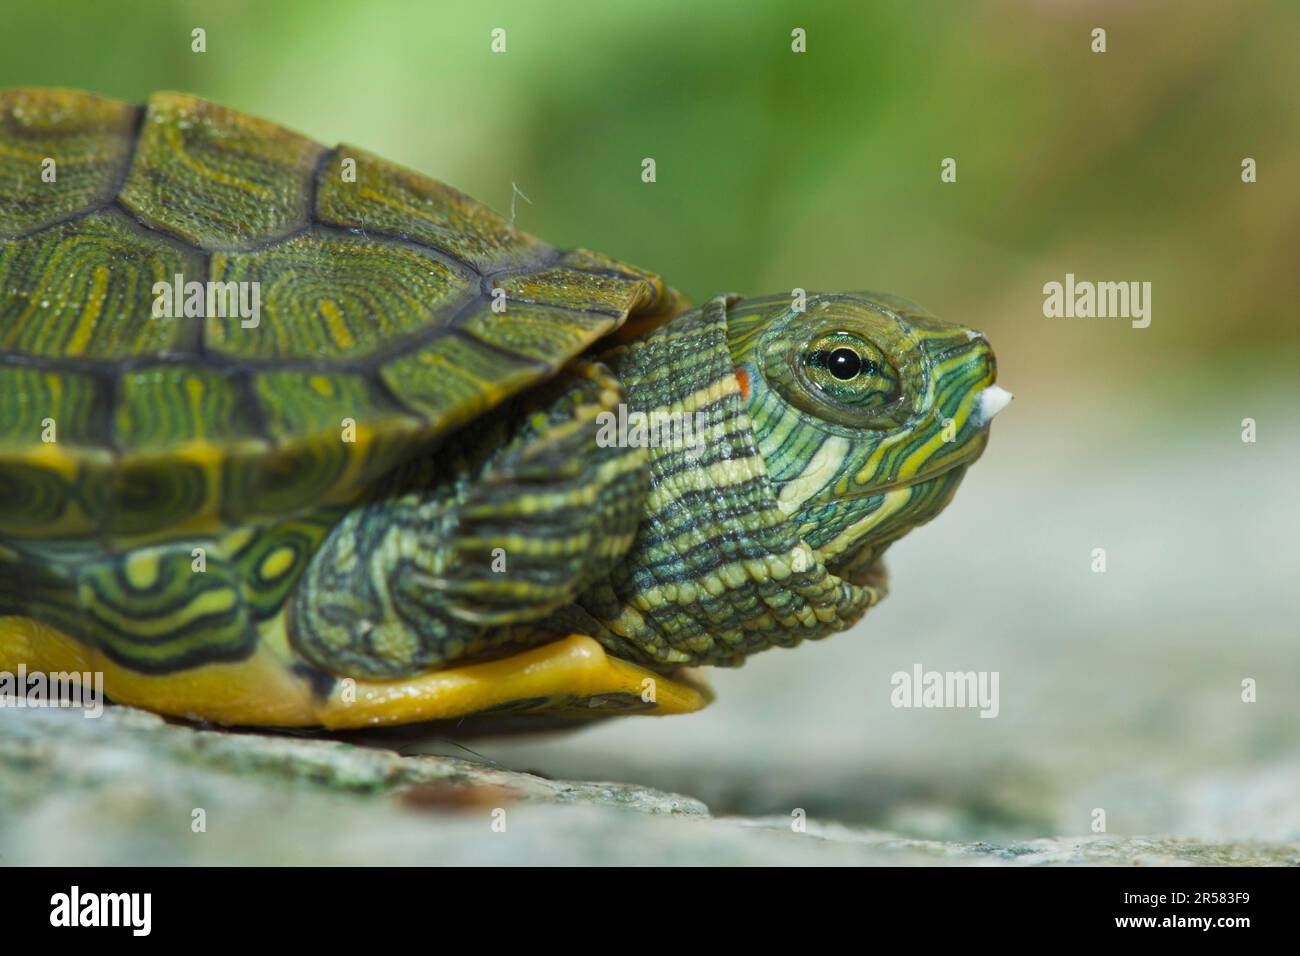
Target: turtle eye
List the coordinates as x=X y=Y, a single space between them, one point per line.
x=839 y=372
x=851 y=372
x=845 y=364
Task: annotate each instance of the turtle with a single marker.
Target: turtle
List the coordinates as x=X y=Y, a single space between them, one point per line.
x=294 y=436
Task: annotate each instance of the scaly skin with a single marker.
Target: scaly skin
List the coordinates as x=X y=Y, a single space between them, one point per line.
x=772 y=532
x=389 y=480
x=766 y=532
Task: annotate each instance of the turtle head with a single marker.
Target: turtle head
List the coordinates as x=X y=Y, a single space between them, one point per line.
x=866 y=411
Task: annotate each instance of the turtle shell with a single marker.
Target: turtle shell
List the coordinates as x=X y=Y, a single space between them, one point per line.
x=391 y=310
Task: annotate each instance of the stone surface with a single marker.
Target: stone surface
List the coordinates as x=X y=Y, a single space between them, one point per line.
x=1119 y=692
x=128 y=788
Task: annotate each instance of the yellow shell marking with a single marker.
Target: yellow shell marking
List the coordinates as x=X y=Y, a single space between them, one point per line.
x=338 y=329
x=85 y=326
x=173 y=137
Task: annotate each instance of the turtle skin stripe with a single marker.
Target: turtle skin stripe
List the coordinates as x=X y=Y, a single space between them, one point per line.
x=271 y=561
x=411 y=579
x=790 y=448
x=148 y=610
x=716 y=571
x=153 y=610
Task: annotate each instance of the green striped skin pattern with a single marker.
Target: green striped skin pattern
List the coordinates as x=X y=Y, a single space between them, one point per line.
x=772 y=531
x=128 y=442
x=856 y=473
x=150 y=609
x=450 y=555
x=389 y=472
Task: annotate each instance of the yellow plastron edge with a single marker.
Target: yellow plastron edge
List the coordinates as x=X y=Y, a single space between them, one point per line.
x=570 y=677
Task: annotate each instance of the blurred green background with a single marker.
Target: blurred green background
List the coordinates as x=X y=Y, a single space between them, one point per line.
x=779 y=169
x=821 y=170
x=818 y=170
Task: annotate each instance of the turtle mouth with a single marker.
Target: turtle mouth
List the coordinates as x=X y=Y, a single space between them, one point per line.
x=971 y=451
x=986 y=400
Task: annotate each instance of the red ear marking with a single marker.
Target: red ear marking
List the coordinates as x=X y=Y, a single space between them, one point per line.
x=743 y=378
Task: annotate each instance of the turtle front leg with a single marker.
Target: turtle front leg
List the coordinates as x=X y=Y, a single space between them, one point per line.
x=453 y=558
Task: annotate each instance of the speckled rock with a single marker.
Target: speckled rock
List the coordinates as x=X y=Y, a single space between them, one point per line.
x=131 y=788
